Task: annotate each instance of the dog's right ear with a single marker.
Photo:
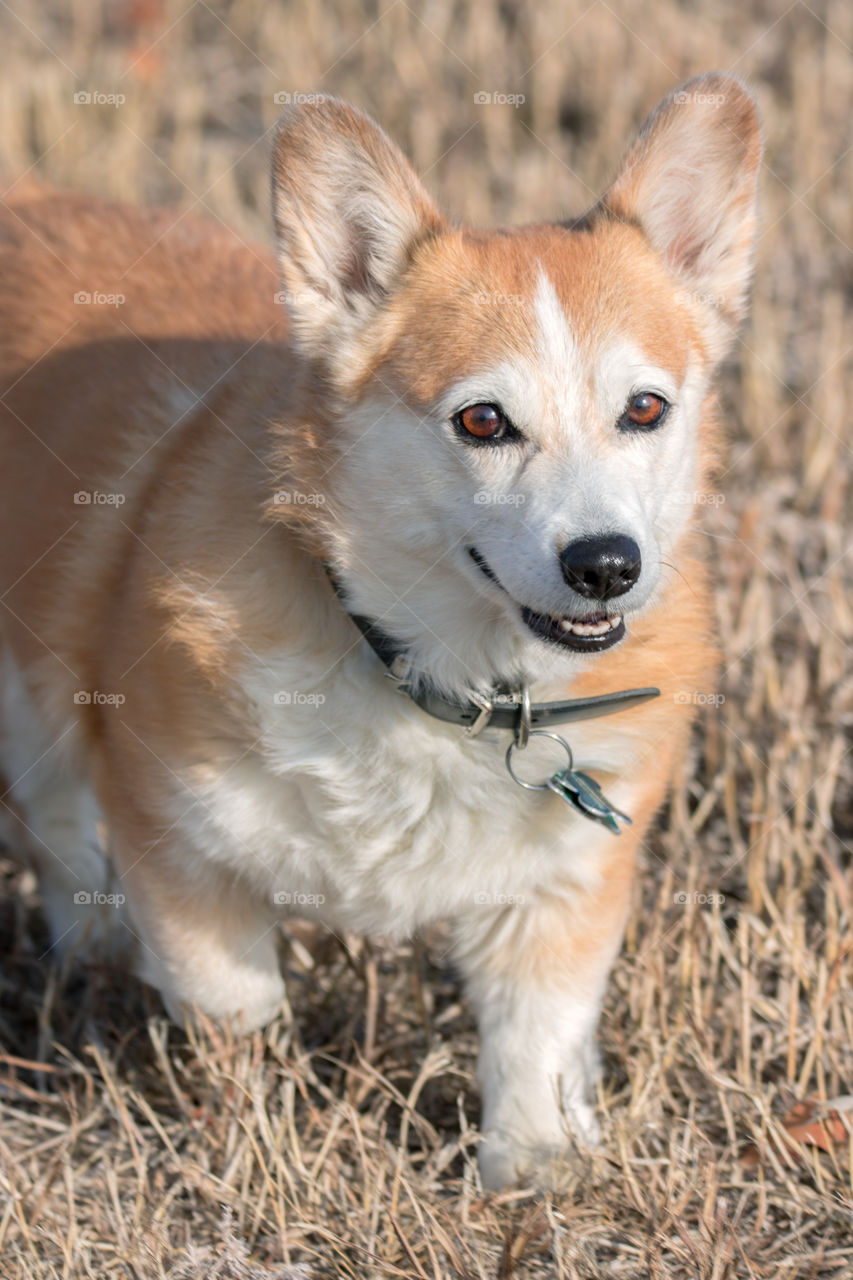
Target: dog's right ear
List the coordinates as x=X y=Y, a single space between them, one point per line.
x=349 y=212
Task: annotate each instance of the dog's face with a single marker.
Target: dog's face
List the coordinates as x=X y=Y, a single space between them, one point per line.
x=521 y=413
x=538 y=413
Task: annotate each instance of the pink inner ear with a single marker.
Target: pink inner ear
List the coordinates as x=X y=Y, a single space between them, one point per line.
x=689 y=182
x=353 y=263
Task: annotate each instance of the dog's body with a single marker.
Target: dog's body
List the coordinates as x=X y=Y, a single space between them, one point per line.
x=176 y=661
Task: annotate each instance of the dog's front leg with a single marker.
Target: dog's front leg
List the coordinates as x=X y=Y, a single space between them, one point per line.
x=536 y=972
x=206 y=942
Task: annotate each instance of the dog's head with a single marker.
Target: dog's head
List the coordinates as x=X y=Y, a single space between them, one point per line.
x=516 y=419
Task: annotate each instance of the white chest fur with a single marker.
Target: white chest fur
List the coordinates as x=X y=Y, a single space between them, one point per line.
x=358 y=806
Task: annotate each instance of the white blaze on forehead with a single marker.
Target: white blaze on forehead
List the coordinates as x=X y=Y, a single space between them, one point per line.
x=556 y=350
x=545 y=389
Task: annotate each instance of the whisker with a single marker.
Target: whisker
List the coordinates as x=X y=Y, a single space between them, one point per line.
x=686 y=581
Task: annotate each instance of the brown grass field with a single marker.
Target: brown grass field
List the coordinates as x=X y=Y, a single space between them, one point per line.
x=342 y=1141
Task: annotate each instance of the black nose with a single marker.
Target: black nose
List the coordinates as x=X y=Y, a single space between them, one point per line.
x=601 y=568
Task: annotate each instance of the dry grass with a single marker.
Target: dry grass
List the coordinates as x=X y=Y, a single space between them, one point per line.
x=341 y=1143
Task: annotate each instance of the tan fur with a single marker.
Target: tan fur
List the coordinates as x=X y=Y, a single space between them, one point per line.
x=195 y=399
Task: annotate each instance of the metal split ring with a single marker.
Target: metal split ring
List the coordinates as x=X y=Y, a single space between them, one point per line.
x=537 y=733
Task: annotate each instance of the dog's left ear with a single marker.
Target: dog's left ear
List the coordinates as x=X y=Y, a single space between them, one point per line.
x=349 y=212
x=689 y=182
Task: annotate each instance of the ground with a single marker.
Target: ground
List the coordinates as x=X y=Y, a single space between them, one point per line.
x=342 y=1141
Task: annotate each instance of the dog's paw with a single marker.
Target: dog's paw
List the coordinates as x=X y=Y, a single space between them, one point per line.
x=256 y=1007
x=505 y=1160
x=242 y=996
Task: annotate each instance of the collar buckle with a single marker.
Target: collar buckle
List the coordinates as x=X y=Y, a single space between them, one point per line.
x=486 y=707
x=400 y=669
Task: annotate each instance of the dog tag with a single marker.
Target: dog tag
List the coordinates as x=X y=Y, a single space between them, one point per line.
x=585 y=796
x=581 y=792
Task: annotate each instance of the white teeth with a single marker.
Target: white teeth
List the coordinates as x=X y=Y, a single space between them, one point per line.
x=591 y=628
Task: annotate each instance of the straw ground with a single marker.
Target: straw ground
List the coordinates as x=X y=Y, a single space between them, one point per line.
x=342 y=1142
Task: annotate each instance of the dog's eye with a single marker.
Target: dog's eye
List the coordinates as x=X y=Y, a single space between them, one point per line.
x=645 y=410
x=485 y=422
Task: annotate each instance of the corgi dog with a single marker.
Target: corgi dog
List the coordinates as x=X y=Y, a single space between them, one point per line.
x=359 y=581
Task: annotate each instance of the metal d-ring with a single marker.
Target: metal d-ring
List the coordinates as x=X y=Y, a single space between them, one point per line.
x=522 y=729
x=537 y=733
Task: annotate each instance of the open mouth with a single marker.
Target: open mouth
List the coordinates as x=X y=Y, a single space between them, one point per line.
x=592 y=634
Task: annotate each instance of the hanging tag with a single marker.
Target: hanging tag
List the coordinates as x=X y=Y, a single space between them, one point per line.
x=585 y=796
x=581 y=792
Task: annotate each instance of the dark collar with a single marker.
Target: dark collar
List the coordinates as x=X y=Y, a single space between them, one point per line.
x=502 y=707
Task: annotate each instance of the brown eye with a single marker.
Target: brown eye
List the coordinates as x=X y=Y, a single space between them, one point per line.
x=484 y=425
x=484 y=421
x=644 y=410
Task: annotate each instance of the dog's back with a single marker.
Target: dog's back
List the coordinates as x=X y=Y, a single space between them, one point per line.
x=111 y=315
x=124 y=334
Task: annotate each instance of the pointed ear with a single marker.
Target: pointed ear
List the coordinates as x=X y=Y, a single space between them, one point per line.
x=689 y=182
x=349 y=211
